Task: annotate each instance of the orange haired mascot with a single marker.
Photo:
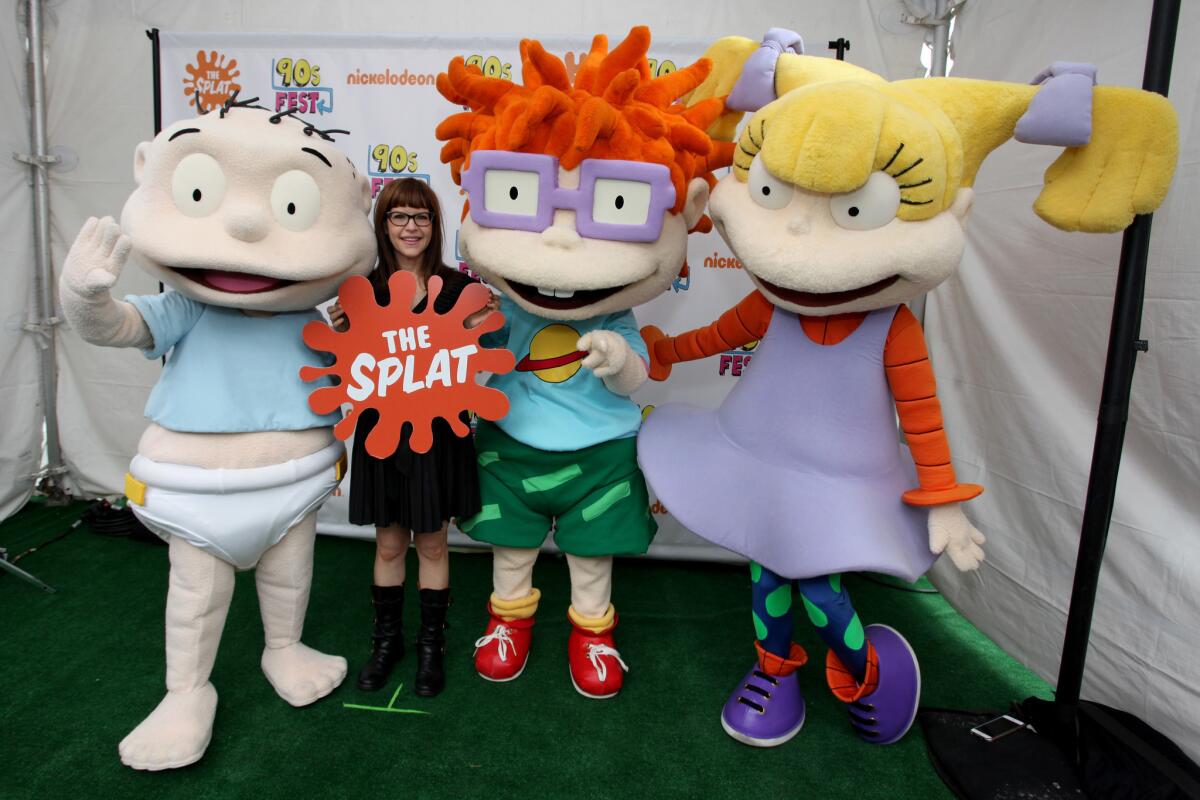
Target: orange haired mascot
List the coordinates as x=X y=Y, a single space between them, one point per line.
x=580 y=199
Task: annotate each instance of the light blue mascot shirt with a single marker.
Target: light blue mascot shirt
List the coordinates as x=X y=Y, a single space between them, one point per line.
x=555 y=403
x=229 y=372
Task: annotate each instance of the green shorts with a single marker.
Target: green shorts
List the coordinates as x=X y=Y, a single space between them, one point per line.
x=595 y=497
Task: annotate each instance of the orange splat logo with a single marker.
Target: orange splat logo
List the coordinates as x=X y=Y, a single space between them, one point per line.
x=412 y=367
x=211 y=81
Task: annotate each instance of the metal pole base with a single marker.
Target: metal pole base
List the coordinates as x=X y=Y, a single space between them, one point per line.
x=22 y=574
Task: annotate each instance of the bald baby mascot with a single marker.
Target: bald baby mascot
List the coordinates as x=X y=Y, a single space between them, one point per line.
x=250 y=219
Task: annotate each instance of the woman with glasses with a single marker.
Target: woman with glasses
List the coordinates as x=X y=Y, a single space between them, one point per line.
x=411 y=496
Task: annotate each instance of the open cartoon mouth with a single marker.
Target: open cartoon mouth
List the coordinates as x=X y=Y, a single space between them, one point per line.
x=825 y=299
x=233 y=282
x=561 y=299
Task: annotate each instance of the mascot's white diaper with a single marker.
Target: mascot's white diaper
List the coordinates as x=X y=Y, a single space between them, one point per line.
x=235 y=514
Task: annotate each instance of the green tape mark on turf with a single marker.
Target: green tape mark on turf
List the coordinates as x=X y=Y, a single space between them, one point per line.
x=552 y=480
x=390 y=706
x=779 y=602
x=388 y=710
x=487 y=458
x=613 y=496
x=486 y=514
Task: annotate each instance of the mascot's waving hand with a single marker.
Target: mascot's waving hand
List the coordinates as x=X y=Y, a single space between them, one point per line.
x=848 y=197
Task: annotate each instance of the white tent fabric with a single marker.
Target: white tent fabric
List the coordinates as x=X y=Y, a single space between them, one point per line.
x=1019 y=342
x=20 y=391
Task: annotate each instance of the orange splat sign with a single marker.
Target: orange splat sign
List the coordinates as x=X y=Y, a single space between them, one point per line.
x=412 y=367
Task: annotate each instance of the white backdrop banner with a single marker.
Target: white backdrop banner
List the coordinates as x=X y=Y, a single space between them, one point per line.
x=382 y=89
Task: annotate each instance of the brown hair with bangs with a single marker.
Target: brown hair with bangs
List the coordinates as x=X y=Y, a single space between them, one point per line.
x=412 y=193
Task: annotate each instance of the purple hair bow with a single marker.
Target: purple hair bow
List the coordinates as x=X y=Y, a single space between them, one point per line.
x=755 y=87
x=1061 y=112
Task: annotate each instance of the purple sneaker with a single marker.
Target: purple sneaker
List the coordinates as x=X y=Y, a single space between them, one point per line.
x=883 y=714
x=764 y=710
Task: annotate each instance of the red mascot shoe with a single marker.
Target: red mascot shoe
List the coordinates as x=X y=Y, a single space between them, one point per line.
x=597 y=670
x=503 y=650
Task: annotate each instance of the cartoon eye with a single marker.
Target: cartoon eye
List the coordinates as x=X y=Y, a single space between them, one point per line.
x=767 y=190
x=296 y=200
x=511 y=191
x=198 y=185
x=617 y=202
x=872 y=205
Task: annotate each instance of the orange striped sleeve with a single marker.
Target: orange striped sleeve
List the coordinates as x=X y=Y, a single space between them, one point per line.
x=744 y=323
x=910 y=376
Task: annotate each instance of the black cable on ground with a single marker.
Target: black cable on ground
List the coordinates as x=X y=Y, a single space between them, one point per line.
x=36 y=547
x=102 y=518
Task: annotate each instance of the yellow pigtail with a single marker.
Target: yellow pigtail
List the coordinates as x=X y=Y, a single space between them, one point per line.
x=727 y=55
x=984 y=113
x=794 y=72
x=1125 y=170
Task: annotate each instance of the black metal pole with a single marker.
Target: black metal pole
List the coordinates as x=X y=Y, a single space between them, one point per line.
x=152 y=34
x=155 y=57
x=1123 y=346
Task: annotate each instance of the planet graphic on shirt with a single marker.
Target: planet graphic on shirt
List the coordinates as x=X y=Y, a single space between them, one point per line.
x=552 y=355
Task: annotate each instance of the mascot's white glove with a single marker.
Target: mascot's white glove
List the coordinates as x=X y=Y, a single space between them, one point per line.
x=950 y=531
x=92 y=267
x=611 y=358
x=96 y=258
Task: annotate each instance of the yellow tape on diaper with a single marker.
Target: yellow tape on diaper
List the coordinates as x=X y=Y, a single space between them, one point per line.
x=135 y=490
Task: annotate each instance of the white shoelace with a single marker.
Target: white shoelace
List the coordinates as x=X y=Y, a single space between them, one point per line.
x=502 y=636
x=595 y=651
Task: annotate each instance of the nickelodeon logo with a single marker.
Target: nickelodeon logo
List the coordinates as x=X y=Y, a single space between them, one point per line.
x=718 y=261
x=389 y=78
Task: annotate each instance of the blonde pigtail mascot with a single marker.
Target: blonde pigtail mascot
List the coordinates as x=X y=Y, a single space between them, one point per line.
x=581 y=194
x=251 y=219
x=848 y=197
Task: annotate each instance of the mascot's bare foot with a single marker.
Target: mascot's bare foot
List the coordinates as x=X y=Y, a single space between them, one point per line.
x=300 y=674
x=175 y=734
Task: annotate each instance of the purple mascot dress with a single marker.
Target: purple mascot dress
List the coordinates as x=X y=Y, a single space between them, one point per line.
x=801 y=471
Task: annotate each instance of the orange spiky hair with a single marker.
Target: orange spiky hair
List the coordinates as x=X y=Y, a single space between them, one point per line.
x=615 y=110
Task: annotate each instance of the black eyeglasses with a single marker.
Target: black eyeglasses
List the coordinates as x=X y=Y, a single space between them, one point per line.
x=400 y=219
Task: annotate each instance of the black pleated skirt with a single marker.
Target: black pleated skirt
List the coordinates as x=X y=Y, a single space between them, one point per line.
x=419 y=491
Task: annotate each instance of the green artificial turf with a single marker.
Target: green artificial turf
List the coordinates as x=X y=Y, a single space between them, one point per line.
x=80 y=668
